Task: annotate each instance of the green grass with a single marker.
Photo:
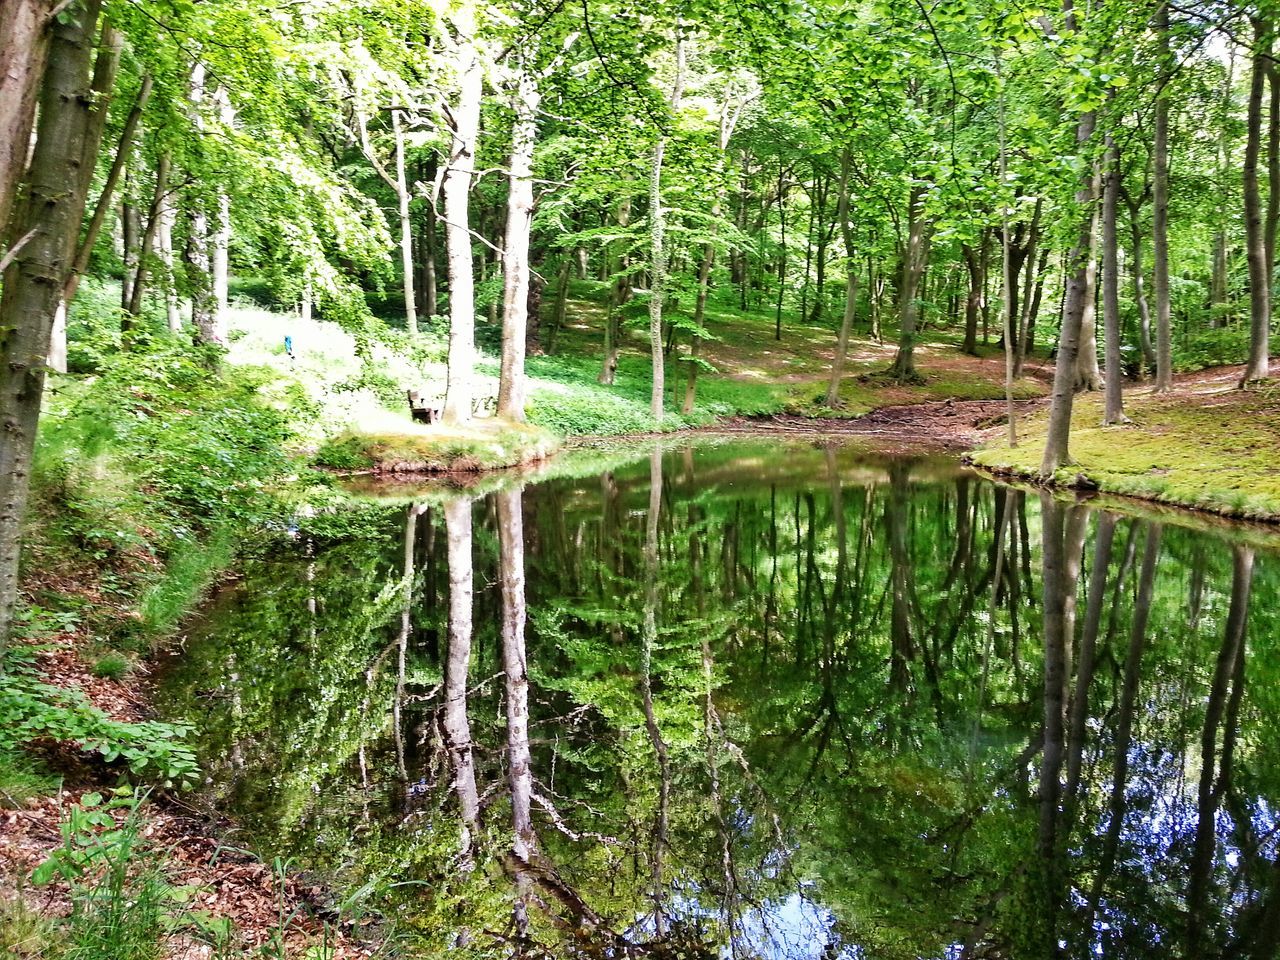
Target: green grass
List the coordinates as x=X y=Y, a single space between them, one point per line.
x=484 y=445
x=1213 y=452
x=112 y=666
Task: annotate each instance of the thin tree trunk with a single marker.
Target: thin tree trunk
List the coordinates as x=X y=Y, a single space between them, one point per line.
x=54 y=208
x=1134 y=205
x=851 y=283
x=619 y=294
x=456 y=188
x=147 y=247
x=403 y=197
x=1088 y=372
x=1114 y=406
x=1160 y=210
x=649 y=640
x=1214 y=771
x=657 y=248
x=515 y=294
x=973 y=302
x=1255 y=231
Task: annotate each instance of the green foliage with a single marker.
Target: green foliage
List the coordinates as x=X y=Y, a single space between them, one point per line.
x=32 y=710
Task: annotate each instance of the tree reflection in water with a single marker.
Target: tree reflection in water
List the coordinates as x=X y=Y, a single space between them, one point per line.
x=763 y=701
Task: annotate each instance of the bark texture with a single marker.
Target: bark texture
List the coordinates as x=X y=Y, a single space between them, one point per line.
x=52 y=207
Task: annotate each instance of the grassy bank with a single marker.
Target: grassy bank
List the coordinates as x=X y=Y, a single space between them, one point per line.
x=1205 y=445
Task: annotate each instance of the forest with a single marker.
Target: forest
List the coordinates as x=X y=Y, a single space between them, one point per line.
x=591 y=478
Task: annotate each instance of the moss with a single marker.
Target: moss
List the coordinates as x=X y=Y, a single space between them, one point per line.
x=1214 y=452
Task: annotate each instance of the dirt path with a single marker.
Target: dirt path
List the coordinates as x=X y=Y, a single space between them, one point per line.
x=947 y=426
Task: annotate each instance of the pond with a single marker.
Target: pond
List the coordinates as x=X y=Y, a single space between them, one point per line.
x=759 y=699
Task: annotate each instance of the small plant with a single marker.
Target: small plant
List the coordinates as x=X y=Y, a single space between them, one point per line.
x=31 y=710
x=122 y=906
x=112 y=666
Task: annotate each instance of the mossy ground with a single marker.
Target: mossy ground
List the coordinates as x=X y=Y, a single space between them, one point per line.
x=484 y=444
x=1205 y=445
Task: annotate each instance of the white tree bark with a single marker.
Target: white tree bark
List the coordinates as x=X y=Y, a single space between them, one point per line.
x=519 y=763
x=515 y=292
x=457 y=187
x=657 y=247
x=457 y=728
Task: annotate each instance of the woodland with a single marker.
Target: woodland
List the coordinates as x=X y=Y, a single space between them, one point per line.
x=627 y=354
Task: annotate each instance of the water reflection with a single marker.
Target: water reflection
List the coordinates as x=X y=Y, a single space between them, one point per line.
x=764 y=702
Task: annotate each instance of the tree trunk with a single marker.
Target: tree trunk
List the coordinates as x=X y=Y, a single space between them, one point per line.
x=1088 y=373
x=24 y=46
x=457 y=727
x=515 y=292
x=657 y=249
x=619 y=294
x=1258 y=365
x=403 y=196
x=973 y=302
x=914 y=259
x=205 y=315
x=53 y=208
x=1114 y=406
x=851 y=283
x=147 y=247
x=519 y=763
x=1214 y=771
x=1149 y=359
x=1160 y=209
x=457 y=187
x=1062 y=397
x=130 y=227
x=699 y=318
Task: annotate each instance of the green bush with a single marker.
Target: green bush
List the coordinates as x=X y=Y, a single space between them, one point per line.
x=1213 y=348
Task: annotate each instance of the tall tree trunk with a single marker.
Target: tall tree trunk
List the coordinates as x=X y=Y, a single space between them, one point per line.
x=851 y=283
x=457 y=188
x=973 y=302
x=220 y=235
x=915 y=257
x=619 y=294
x=1124 y=718
x=649 y=639
x=51 y=211
x=1139 y=287
x=206 y=318
x=1062 y=397
x=1215 y=768
x=24 y=46
x=403 y=196
x=1258 y=365
x=457 y=727
x=519 y=763
x=1114 y=406
x=146 y=249
x=1160 y=211
x=1088 y=372
x=657 y=248
x=515 y=295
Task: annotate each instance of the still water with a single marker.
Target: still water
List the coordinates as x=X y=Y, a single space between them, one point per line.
x=759 y=700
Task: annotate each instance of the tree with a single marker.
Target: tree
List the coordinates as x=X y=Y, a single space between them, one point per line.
x=67 y=137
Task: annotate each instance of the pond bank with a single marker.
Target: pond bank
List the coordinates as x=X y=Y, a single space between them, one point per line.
x=1206 y=445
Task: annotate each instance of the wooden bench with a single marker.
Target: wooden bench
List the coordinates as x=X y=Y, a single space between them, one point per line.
x=422 y=408
x=425 y=408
